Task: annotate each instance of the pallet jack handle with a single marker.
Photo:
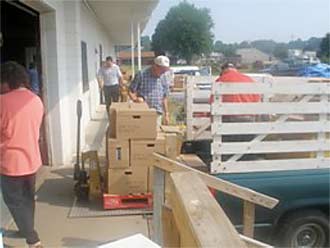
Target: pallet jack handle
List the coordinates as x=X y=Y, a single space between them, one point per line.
x=77 y=164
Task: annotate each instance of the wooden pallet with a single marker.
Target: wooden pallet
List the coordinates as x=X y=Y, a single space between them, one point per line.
x=134 y=201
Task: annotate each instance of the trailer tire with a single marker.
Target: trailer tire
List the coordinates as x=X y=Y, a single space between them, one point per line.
x=307 y=228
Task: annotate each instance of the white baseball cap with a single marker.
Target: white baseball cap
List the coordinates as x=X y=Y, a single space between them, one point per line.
x=162 y=61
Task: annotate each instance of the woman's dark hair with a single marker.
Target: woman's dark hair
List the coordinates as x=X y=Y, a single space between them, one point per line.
x=14 y=75
x=109 y=58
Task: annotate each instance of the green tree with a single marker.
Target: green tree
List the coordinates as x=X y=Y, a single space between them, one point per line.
x=296 y=44
x=146 y=43
x=226 y=49
x=244 y=44
x=281 y=51
x=185 y=32
x=324 y=52
x=313 y=44
x=266 y=46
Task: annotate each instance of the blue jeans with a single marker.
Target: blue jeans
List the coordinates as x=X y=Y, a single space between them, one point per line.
x=111 y=94
x=18 y=194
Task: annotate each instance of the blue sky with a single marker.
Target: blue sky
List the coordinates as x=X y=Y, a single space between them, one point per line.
x=238 y=20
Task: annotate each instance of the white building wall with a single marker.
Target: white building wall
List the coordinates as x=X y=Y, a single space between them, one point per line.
x=94 y=35
x=73 y=23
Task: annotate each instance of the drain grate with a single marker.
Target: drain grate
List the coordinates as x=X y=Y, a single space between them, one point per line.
x=82 y=209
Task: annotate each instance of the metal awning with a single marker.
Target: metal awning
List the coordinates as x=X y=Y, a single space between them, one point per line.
x=117 y=16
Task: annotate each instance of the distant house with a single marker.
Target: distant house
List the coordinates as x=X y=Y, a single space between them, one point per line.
x=300 y=56
x=234 y=59
x=252 y=55
x=294 y=53
x=124 y=57
x=310 y=54
x=216 y=57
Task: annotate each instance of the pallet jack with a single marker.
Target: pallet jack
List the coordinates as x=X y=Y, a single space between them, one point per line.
x=89 y=184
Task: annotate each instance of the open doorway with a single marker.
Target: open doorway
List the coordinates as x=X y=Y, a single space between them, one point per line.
x=20 y=32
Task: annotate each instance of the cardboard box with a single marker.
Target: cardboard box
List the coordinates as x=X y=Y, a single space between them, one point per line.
x=107 y=135
x=161 y=143
x=132 y=121
x=170 y=132
x=128 y=181
x=179 y=81
x=142 y=151
x=118 y=153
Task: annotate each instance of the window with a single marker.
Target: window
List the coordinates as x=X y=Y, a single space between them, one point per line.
x=84 y=66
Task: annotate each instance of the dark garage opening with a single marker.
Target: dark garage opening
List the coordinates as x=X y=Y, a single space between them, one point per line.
x=20 y=42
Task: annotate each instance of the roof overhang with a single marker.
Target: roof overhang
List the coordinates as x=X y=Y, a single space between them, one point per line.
x=117 y=16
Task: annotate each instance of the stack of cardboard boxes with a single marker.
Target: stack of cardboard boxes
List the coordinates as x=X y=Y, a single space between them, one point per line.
x=132 y=138
x=179 y=83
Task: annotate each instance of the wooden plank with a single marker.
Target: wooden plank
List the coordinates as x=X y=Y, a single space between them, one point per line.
x=295 y=88
x=215 y=119
x=171 y=237
x=201 y=94
x=203 y=136
x=260 y=137
x=271 y=127
x=167 y=188
x=192 y=160
x=269 y=108
x=252 y=243
x=261 y=77
x=171 y=152
x=270 y=147
x=248 y=218
x=202 y=129
x=158 y=202
x=270 y=165
x=201 y=107
x=200 y=121
x=196 y=210
x=170 y=165
x=187 y=238
x=322 y=118
x=203 y=79
x=287 y=80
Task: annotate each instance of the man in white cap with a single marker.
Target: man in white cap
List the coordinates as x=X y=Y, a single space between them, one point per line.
x=151 y=85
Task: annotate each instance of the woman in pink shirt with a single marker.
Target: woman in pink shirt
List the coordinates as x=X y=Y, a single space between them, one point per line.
x=21 y=114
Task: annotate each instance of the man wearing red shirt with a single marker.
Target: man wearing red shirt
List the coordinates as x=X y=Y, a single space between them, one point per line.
x=231 y=75
x=21 y=114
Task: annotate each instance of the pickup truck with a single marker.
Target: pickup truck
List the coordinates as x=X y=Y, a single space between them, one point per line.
x=301 y=219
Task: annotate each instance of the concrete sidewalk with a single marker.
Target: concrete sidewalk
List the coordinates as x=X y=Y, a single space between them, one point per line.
x=55 y=199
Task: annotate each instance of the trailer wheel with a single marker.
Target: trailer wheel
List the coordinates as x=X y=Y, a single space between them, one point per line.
x=308 y=228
